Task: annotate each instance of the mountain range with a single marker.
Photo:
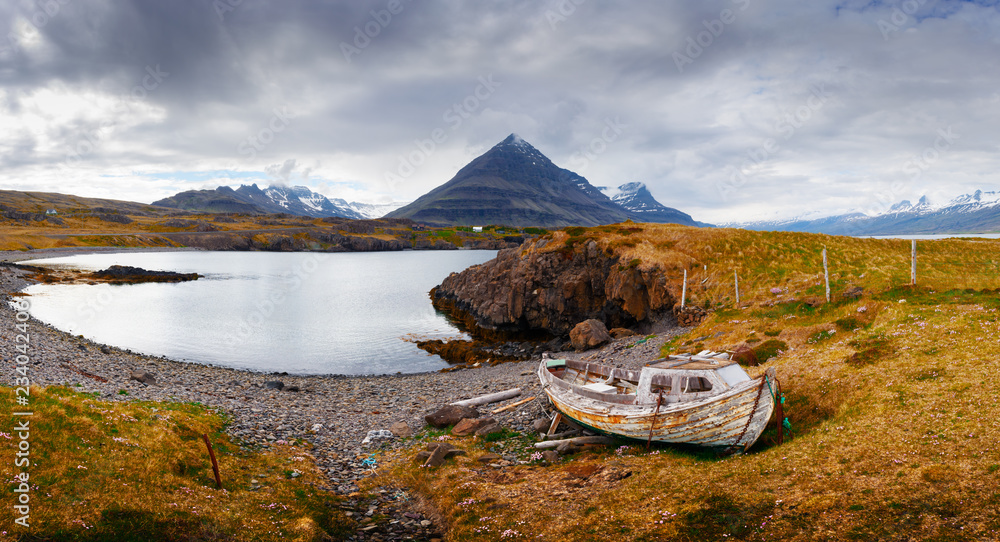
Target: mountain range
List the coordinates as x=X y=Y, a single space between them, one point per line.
x=970 y=213
x=512 y=184
x=296 y=200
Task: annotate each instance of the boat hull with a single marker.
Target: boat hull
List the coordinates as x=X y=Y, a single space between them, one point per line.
x=718 y=421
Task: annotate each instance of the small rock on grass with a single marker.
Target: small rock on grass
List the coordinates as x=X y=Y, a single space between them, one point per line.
x=401 y=430
x=450 y=415
x=468 y=426
x=489 y=429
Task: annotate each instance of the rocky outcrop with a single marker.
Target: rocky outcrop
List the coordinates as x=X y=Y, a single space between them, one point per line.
x=126 y=274
x=689 y=316
x=530 y=288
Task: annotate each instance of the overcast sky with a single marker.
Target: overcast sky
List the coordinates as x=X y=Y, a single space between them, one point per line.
x=728 y=110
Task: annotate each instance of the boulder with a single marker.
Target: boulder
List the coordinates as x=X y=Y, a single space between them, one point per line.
x=541 y=425
x=620 y=332
x=550 y=456
x=144 y=377
x=450 y=415
x=589 y=334
x=468 y=426
x=274 y=385
x=488 y=429
x=401 y=430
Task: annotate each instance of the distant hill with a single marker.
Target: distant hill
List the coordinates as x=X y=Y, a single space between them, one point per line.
x=296 y=200
x=40 y=202
x=636 y=199
x=969 y=213
x=514 y=184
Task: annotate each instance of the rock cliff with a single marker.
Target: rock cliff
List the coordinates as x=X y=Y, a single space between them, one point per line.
x=531 y=288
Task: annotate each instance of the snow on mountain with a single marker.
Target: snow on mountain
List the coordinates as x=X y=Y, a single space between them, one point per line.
x=375 y=210
x=979 y=211
x=642 y=206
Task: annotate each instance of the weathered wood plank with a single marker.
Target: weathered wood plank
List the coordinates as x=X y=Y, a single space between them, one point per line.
x=512 y=405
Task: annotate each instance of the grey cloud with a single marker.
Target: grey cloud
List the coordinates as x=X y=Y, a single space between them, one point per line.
x=564 y=68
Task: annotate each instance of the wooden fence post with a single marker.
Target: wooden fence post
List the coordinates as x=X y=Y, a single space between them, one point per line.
x=826 y=275
x=736 y=280
x=215 y=464
x=913 y=262
x=684 y=288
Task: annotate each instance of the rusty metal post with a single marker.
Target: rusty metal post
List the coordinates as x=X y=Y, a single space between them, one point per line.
x=652 y=424
x=781 y=413
x=215 y=464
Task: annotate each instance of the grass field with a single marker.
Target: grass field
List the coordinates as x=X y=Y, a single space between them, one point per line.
x=140 y=471
x=892 y=400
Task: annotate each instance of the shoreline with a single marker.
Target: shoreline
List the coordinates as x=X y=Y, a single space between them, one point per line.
x=13 y=256
x=346 y=406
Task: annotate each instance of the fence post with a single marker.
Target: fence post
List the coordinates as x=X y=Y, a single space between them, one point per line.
x=736 y=281
x=684 y=288
x=913 y=262
x=826 y=275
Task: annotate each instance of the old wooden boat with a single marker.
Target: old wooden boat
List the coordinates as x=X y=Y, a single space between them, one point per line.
x=704 y=399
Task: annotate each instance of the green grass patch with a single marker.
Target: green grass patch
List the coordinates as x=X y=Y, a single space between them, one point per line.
x=870 y=349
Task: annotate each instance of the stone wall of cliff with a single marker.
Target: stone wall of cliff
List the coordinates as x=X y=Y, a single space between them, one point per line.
x=531 y=288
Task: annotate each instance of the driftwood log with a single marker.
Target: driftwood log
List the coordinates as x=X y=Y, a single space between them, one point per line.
x=578 y=441
x=489 y=398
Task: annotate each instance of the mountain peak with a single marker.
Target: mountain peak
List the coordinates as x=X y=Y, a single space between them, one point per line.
x=517 y=143
x=635 y=198
x=514 y=184
x=513 y=139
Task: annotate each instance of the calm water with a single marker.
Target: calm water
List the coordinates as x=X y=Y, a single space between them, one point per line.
x=304 y=313
x=932 y=236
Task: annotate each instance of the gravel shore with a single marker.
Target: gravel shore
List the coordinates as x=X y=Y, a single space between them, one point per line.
x=334 y=413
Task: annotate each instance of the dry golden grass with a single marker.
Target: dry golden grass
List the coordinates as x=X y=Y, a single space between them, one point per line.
x=140 y=471
x=899 y=444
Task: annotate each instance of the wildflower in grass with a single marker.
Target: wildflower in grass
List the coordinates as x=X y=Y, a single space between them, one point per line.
x=537 y=456
x=776 y=291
